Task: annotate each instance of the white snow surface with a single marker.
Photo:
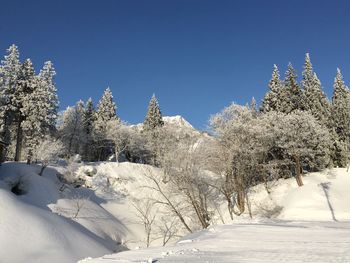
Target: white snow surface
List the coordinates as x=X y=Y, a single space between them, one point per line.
x=268 y=242
x=31 y=232
x=301 y=227
x=39 y=226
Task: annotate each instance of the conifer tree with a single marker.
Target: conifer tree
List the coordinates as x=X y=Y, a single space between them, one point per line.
x=10 y=70
x=340 y=120
x=273 y=98
x=293 y=98
x=48 y=90
x=24 y=101
x=106 y=111
x=154 y=117
x=88 y=124
x=316 y=101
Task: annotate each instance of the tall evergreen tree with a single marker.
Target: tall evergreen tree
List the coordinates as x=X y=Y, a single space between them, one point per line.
x=340 y=120
x=27 y=83
x=10 y=71
x=273 y=98
x=316 y=101
x=293 y=98
x=154 y=117
x=106 y=111
x=47 y=88
x=88 y=124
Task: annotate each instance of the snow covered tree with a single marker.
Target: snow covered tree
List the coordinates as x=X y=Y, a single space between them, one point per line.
x=71 y=129
x=316 y=101
x=106 y=111
x=301 y=139
x=48 y=152
x=10 y=71
x=49 y=99
x=274 y=97
x=88 y=125
x=293 y=98
x=27 y=84
x=121 y=136
x=340 y=120
x=154 y=117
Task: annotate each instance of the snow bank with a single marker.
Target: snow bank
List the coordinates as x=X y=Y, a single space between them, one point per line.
x=31 y=232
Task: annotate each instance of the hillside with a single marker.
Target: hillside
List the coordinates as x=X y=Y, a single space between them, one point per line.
x=42 y=218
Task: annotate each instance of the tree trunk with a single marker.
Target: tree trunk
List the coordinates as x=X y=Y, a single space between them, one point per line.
x=42 y=170
x=298 y=171
x=19 y=139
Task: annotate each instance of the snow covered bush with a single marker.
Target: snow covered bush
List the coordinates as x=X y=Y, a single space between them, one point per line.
x=48 y=152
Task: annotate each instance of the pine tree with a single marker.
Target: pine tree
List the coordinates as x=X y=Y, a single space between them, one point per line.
x=10 y=70
x=24 y=101
x=316 y=101
x=273 y=98
x=88 y=124
x=50 y=100
x=106 y=111
x=154 y=117
x=293 y=98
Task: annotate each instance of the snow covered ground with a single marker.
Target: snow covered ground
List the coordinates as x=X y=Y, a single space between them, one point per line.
x=267 y=242
x=41 y=223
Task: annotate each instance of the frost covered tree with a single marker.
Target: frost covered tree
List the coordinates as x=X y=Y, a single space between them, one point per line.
x=154 y=117
x=106 y=111
x=293 y=96
x=152 y=129
x=241 y=147
x=340 y=120
x=301 y=139
x=48 y=152
x=10 y=71
x=121 y=136
x=274 y=97
x=88 y=125
x=27 y=83
x=316 y=101
x=47 y=92
x=71 y=128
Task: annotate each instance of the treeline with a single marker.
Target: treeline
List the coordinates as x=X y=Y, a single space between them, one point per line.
x=28 y=104
x=29 y=120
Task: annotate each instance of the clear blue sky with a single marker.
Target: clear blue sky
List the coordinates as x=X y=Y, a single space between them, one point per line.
x=196 y=56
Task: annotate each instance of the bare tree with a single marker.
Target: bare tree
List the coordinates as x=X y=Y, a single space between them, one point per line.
x=146 y=214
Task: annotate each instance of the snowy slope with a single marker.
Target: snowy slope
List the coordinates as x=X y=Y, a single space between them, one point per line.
x=270 y=242
x=324 y=197
x=31 y=232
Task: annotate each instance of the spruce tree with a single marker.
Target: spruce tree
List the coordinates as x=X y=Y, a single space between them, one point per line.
x=24 y=101
x=50 y=100
x=340 y=120
x=316 y=101
x=154 y=117
x=10 y=70
x=293 y=98
x=273 y=98
x=106 y=111
x=88 y=124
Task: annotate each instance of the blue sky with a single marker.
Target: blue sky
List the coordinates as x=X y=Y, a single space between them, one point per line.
x=196 y=56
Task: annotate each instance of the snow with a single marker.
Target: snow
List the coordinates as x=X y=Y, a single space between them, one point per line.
x=31 y=231
x=270 y=241
x=302 y=230
x=41 y=222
